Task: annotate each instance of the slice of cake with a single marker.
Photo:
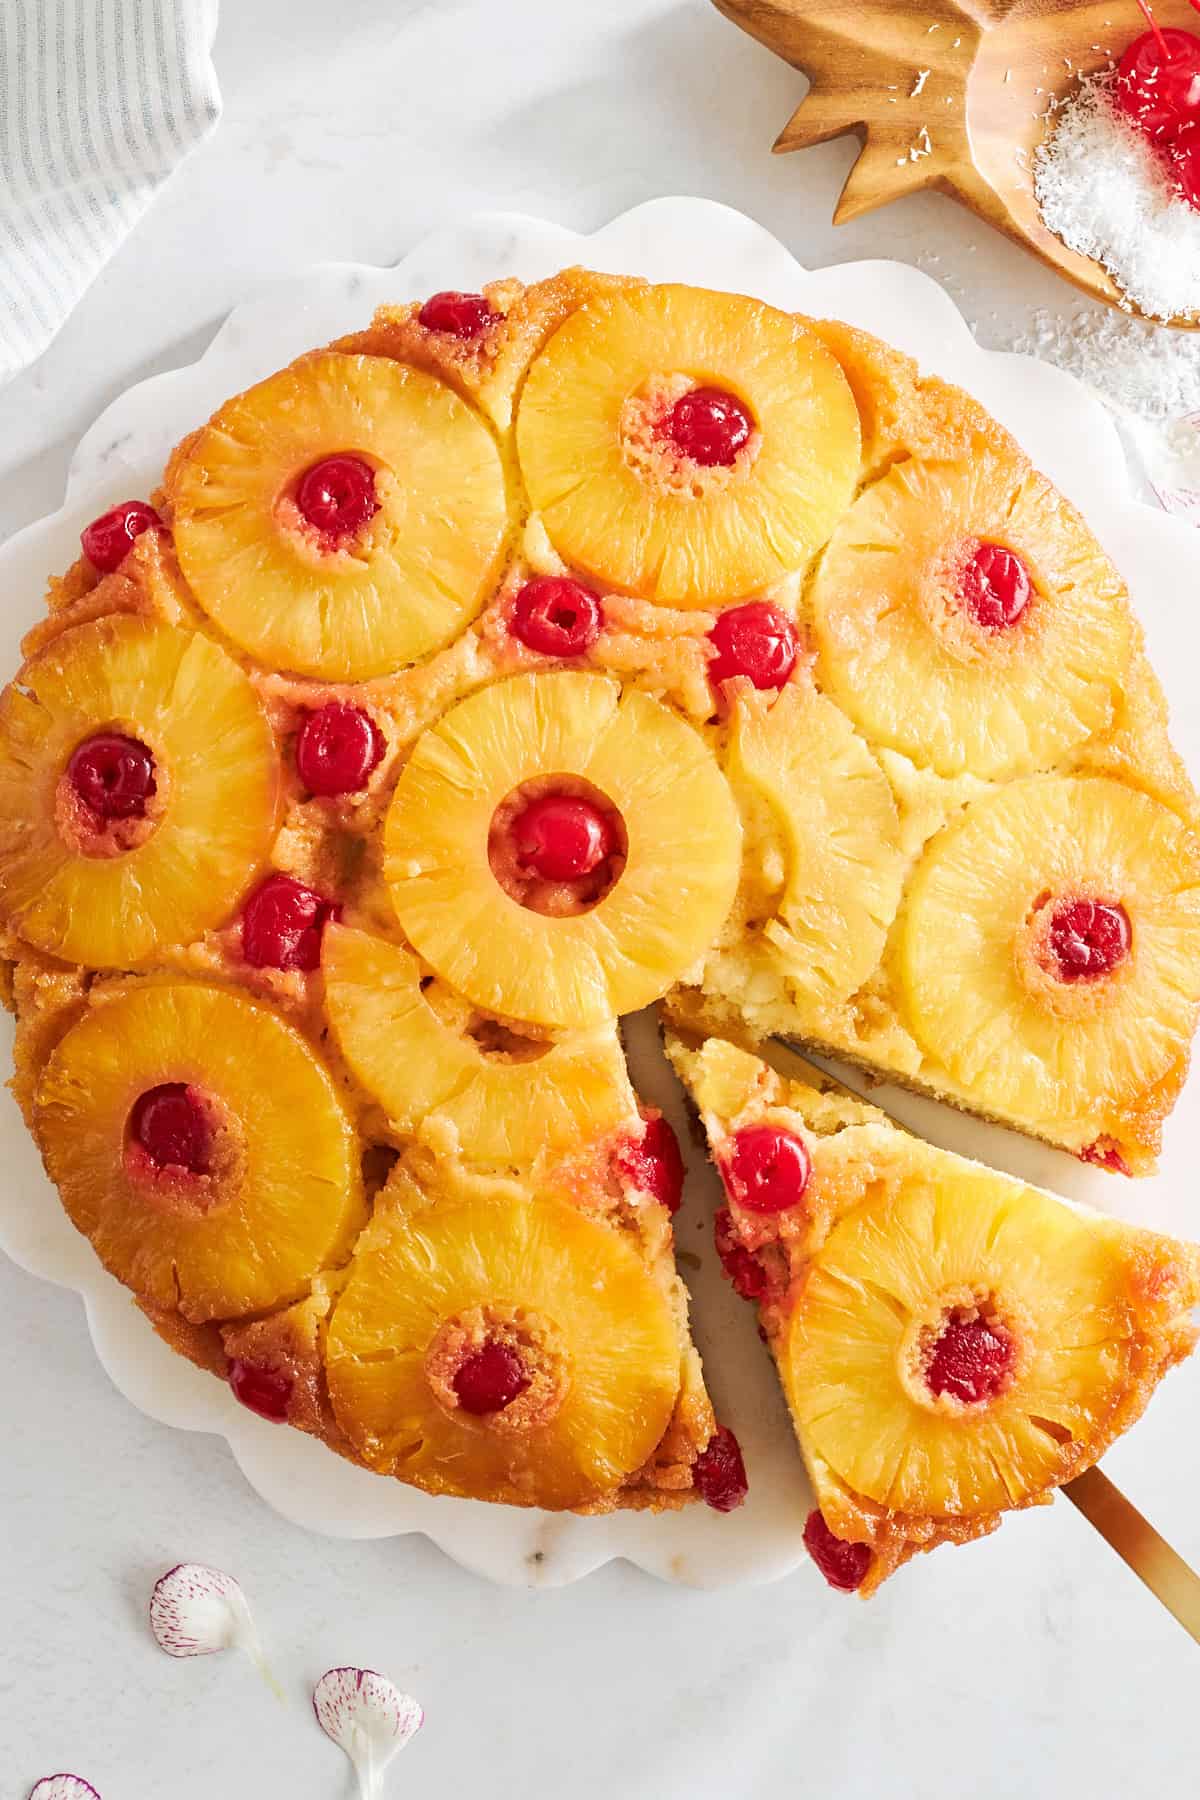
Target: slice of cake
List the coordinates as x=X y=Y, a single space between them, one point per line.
x=952 y=1344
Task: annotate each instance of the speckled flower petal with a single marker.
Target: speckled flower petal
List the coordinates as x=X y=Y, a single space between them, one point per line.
x=63 y=1787
x=367 y=1717
x=196 y=1611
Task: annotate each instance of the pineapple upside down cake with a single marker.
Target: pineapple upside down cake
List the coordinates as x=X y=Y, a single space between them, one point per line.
x=519 y=661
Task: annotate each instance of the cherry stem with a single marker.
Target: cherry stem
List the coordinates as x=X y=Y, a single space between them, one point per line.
x=1156 y=28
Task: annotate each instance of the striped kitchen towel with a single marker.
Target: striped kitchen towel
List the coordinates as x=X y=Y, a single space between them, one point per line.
x=99 y=100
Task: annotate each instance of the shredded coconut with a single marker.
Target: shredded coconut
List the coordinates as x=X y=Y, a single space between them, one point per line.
x=917 y=86
x=1103 y=192
x=1139 y=369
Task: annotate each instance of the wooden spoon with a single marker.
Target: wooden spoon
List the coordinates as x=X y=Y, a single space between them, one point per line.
x=950 y=94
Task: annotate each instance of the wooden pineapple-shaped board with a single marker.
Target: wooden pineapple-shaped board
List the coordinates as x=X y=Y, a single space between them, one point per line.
x=948 y=94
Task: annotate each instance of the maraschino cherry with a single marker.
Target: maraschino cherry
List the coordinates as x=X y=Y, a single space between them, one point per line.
x=337 y=748
x=767 y=1170
x=742 y=1270
x=490 y=1379
x=720 y=1473
x=1158 y=81
x=457 y=315
x=265 y=1391
x=655 y=1164
x=757 y=640
x=970 y=1360
x=113 y=776
x=337 y=496
x=1183 y=162
x=557 y=616
x=562 y=837
x=843 y=1565
x=710 y=425
x=282 y=922
x=1088 y=938
x=172 y=1128
x=108 y=539
x=1105 y=1154
x=1158 y=90
x=995 y=587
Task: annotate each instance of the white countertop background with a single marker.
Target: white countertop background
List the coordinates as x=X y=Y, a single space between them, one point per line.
x=1029 y=1665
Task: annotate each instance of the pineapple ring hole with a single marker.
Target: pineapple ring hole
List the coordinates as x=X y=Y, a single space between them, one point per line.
x=82 y=831
x=494 y=1038
x=940 y=599
x=556 y=899
x=975 y=1309
x=656 y=459
x=173 y=1188
x=1037 y=964
x=537 y=1341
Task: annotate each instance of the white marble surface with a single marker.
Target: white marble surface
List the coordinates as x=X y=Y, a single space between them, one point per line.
x=1031 y=1664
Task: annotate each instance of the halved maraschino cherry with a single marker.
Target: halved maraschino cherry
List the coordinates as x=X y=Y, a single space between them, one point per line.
x=562 y=837
x=556 y=616
x=756 y=640
x=971 y=1360
x=265 y=1391
x=746 y=1273
x=337 y=496
x=720 y=1473
x=843 y=1565
x=1088 y=938
x=457 y=315
x=710 y=425
x=995 y=587
x=768 y=1169
x=107 y=540
x=655 y=1164
x=172 y=1128
x=282 y=922
x=1183 y=162
x=1158 y=81
x=113 y=775
x=490 y=1379
x=337 y=748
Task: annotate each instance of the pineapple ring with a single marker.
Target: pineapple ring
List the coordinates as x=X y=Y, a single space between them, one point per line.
x=219 y=775
x=213 y=1250
x=417 y=1065
x=968 y=998
x=420 y=570
x=658 y=918
x=841 y=831
x=732 y=533
x=419 y=1266
x=902 y=660
x=845 y=1355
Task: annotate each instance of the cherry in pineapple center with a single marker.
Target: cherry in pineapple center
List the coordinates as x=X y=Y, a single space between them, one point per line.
x=113 y=776
x=710 y=425
x=170 y=1124
x=337 y=497
x=971 y=1358
x=995 y=587
x=557 y=845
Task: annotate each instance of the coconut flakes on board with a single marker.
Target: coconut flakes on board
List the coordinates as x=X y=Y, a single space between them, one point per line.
x=1101 y=189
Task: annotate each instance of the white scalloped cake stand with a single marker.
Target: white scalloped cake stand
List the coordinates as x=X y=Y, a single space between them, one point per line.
x=1067 y=433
